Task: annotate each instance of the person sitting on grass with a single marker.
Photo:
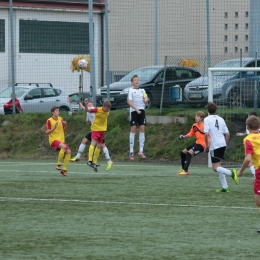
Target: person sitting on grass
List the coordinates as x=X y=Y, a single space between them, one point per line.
x=197 y=129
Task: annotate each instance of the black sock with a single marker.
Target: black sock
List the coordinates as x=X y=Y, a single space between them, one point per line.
x=183 y=157
x=187 y=162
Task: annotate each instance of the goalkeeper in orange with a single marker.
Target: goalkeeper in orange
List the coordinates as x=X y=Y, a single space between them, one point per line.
x=197 y=129
x=98 y=129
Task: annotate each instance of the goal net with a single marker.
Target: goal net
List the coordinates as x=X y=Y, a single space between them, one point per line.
x=236 y=91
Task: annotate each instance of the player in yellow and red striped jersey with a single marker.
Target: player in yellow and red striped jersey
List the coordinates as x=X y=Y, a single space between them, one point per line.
x=252 y=153
x=55 y=126
x=98 y=128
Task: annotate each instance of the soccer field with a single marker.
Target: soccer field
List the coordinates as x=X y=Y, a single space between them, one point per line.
x=136 y=210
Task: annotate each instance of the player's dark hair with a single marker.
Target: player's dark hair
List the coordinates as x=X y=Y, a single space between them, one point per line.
x=253 y=123
x=54 y=108
x=135 y=76
x=212 y=108
x=252 y=113
x=106 y=104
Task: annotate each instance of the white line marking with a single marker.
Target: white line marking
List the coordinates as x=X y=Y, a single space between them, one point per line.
x=122 y=202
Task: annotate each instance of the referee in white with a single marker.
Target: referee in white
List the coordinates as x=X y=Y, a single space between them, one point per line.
x=217 y=137
x=137 y=98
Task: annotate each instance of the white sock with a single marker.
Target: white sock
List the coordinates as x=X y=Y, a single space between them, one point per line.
x=252 y=169
x=80 y=151
x=224 y=171
x=132 y=142
x=106 y=152
x=141 y=141
x=222 y=179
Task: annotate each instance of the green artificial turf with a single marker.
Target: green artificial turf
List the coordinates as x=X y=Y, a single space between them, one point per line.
x=136 y=210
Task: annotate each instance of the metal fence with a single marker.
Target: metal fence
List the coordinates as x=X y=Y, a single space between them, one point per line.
x=39 y=39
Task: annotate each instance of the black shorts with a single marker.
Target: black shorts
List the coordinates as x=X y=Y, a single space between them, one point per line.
x=218 y=154
x=137 y=119
x=88 y=136
x=197 y=148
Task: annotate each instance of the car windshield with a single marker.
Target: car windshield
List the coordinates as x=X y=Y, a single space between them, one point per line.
x=144 y=74
x=18 y=92
x=228 y=64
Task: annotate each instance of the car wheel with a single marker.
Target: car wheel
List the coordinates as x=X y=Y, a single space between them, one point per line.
x=64 y=109
x=234 y=98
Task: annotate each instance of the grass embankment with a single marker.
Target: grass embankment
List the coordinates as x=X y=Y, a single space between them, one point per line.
x=23 y=136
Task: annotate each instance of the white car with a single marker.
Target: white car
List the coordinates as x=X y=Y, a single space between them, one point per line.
x=36 y=98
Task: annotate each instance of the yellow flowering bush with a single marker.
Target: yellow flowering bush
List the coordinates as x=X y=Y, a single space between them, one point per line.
x=189 y=63
x=74 y=63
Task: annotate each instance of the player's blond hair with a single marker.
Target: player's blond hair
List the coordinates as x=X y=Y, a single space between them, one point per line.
x=200 y=114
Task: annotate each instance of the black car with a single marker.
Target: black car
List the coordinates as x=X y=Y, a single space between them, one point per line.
x=152 y=80
x=75 y=99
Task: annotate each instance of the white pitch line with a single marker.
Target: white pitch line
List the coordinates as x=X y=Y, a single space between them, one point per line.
x=122 y=202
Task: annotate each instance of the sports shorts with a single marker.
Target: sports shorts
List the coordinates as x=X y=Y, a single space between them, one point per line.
x=197 y=148
x=137 y=119
x=98 y=135
x=88 y=136
x=55 y=145
x=217 y=154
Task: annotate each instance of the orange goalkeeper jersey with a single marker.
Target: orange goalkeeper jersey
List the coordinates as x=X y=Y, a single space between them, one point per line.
x=198 y=131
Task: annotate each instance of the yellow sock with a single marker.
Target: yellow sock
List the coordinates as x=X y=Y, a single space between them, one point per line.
x=60 y=156
x=90 y=152
x=96 y=155
x=66 y=161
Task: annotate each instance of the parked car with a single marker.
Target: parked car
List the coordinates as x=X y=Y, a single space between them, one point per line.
x=151 y=79
x=229 y=88
x=36 y=97
x=75 y=99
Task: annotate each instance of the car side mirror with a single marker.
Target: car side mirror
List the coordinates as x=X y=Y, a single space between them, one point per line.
x=159 y=80
x=28 y=97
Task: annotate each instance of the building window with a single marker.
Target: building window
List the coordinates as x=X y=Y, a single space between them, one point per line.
x=236 y=37
x=236 y=14
x=246 y=37
x=225 y=38
x=226 y=15
x=53 y=37
x=225 y=49
x=236 y=26
x=246 y=26
x=2 y=35
x=246 y=14
x=226 y=26
x=246 y=49
x=236 y=49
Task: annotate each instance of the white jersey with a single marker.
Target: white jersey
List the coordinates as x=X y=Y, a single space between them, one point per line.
x=216 y=127
x=136 y=95
x=90 y=116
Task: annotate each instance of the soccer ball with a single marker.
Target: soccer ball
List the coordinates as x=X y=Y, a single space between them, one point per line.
x=82 y=63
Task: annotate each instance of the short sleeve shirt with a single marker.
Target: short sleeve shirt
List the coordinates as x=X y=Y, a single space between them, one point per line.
x=136 y=95
x=58 y=133
x=216 y=127
x=252 y=146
